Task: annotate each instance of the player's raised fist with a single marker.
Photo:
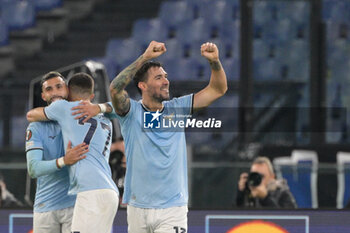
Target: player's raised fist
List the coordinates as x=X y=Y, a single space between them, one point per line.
x=155 y=49
x=210 y=51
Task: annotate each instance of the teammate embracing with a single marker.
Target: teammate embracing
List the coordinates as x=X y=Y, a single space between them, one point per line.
x=90 y=178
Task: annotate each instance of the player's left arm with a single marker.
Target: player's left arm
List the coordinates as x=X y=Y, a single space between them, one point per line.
x=37 y=166
x=37 y=114
x=217 y=86
x=87 y=109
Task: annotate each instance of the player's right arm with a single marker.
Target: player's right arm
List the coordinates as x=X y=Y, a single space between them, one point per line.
x=120 y=98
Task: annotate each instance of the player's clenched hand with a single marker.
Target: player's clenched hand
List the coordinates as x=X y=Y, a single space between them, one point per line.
x=155 y=49
x=85 y=109
x=210 y=51
x=76 y=153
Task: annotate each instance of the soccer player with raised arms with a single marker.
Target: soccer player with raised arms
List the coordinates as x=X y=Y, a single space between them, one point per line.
x=156 y=187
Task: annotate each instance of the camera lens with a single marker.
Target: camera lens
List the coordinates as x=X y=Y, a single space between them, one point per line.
x=254 y=179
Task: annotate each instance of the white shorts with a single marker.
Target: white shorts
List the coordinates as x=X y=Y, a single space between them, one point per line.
x=57 y=221
x=94 y=211
x=168 y=220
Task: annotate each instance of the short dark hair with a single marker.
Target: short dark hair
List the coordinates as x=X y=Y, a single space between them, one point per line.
x=81 y=84
x=141 y=74
x=50 y=75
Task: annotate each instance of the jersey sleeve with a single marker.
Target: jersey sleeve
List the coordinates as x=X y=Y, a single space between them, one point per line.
x=34 y=153
x=184 y=102
x=37 y=166
x=56 y=110
x=33 y=138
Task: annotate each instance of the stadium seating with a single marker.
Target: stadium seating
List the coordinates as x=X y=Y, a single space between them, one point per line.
x=326 y=9
x=184 y=69
x=343 y=167
x=232 y=68
x=261 y=100
x=338 y=60
x=175 y=50
x=337 y=17
x=194 y=6
x=297 y=59
x=260 y=49
x=46 y=4
x=267 y=69
x=18 y=126
x=109 y=64
x=262 y=12
x=230 y=32
x=193 y=31
x=4 y=34
x=122 y=51
x=213 y=12
x=183 y=25
x=6 y=50
x=297 y=11
x=146 y=30
x=19 y=15
x=174 y=13
x=336 y=30
x=280 y=28
x=336 y=115
x=340 y=11
x=231 y=11
x=300 y=171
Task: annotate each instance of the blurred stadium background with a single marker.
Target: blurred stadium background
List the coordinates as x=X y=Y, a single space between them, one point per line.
x=287 y=64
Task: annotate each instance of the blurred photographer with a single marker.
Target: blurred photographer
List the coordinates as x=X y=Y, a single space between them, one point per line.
x=260 y=188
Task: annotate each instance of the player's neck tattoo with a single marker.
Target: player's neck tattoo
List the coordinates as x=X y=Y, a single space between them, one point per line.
x=215 y=65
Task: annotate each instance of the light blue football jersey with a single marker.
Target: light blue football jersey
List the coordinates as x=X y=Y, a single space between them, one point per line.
x=93 y=172
x=156 y=173
x=52 y=189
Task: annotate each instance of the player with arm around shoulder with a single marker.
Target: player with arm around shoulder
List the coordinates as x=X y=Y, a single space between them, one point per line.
x=90 y=178
x=53 y=207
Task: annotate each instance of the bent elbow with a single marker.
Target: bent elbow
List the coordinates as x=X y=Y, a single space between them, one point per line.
x=224 y=90
x=29 y=117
